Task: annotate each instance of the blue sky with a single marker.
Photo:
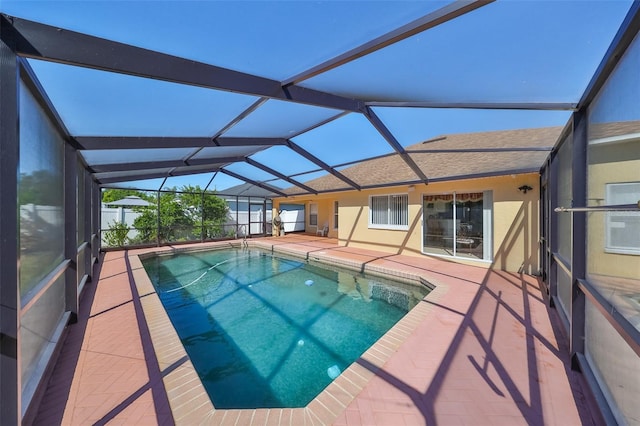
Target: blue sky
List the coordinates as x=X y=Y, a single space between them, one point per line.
x=508 y=51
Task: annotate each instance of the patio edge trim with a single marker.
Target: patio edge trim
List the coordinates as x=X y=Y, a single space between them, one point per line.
x=189 y=400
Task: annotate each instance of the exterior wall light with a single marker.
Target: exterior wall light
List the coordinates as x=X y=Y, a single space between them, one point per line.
x=525 y=188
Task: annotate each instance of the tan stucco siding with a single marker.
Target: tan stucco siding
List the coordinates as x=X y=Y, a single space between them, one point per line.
x=325 y=215
x=609 y=164
x=515 y=220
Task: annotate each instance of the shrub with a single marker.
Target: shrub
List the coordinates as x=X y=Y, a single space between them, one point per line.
x=116 y=236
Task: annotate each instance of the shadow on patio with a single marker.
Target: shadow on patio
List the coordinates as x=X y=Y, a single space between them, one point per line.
x=107 y=368
x=502 y=366
x=487 y=352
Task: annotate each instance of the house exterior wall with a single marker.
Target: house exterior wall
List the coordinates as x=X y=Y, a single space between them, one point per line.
x=325 y=215
x=611 y=320
x=515 y=219
x=614 y=163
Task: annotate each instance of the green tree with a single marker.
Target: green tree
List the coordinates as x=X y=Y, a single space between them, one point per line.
x=42 y=187
x=181 y=216
x=209 y=207
x=173 y=219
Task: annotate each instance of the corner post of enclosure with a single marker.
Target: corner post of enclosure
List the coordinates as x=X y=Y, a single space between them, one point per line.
x=264 y=216
x=70 y=230
x=553 y=228
x=158 y=218
x=206 y=188
x=578 y=233
x=96 y=216
x=10 y=374
x=87 y=223
x=202 y=217
x=543 y=226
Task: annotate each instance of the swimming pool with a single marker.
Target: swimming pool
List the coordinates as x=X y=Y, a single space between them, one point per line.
x=268 y=331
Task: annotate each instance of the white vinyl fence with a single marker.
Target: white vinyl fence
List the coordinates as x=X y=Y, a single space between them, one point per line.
x=244 y=221
x=252 y=221
x=48 y=214
x=111 y=215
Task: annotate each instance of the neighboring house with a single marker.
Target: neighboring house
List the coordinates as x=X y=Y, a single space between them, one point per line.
x=480 y=206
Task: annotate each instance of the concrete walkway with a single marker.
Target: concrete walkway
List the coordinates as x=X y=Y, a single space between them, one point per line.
x=487 y=352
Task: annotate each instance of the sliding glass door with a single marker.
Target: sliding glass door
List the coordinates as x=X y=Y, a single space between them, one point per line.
x=456 y=224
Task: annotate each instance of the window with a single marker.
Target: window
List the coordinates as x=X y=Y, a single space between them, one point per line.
x=335 y=215
x=458 y=224
x=623 y=228
x=313 y=214
x=389 y=211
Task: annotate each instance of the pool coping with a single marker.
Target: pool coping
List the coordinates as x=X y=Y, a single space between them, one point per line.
x=188 y=399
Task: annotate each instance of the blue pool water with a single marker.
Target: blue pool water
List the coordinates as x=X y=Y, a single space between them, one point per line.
x=266 y=331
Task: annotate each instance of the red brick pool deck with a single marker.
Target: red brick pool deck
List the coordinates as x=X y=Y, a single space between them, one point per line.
x=483 y=348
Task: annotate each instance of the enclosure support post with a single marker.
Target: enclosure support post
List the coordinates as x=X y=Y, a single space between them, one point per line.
x=264 y=217
x=158 y=219
x=10 y=374
x=96 y=211
x=553 y=229
x=578 y=233
x=70 y=230
x=202 y=217
x=248 y=231
x=87 y=224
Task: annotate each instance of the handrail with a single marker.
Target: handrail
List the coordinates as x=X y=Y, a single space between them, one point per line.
x=83 y=246
x=43 y=285
x=243 y=227
x=627 y=331
x=613 y=208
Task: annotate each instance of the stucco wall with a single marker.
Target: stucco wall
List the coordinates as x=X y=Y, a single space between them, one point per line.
x=515 y=219
x=616 y=163
x=325 y=215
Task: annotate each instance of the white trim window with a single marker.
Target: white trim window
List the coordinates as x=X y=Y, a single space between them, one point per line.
x=313 y=214
x=622 y=228
x=389 y=211
x=335 y=214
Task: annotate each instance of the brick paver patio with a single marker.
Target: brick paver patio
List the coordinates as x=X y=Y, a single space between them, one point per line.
x=486 y=350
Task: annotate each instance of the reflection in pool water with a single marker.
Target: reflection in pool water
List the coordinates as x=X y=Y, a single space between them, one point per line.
x=259 y=335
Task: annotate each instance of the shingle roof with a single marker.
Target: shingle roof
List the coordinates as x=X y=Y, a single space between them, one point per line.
x=248 y=190
x=451 y=157
x=609 y=130
x=544 y=137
